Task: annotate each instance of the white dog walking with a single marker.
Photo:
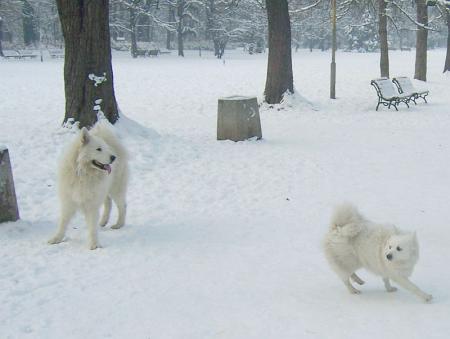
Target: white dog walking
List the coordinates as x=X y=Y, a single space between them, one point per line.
x=93 y=170
x=354 y=242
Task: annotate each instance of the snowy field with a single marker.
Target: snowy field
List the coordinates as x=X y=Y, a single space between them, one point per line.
x=223 y=239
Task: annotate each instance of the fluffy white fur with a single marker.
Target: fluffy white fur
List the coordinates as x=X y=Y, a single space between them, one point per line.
x=93 y=171
x=354 y=242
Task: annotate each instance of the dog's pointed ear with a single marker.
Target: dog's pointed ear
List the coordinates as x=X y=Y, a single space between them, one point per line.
x=85 y=136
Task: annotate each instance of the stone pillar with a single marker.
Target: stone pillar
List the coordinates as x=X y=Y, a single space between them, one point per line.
x=238 y=118
x=8 y=202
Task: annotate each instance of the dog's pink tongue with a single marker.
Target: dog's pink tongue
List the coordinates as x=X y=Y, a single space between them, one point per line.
x=107 y=168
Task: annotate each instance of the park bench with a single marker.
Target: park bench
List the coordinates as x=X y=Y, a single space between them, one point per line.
x=387 y=94
x=406 y=87
x=16 y=54
x=27 y=54
x=141 y=52
x=153 y=52
x=56 y=53
x=10 y=54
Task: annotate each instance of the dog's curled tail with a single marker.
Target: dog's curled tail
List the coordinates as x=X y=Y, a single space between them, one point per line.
x=346 y=220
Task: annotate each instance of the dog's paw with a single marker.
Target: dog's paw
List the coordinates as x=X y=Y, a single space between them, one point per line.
x=391 y=289
x=94 y=246
x=427 y=298
x=55 y=240
x=116 y=226
x=103 y=223
x=355 y=291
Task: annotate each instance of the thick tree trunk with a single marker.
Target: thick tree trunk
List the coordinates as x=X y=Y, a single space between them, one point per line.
x=85 y=26
x=421 y=41
x=383 y=36
x=29 y=34
x=279 y=67
x=447 y=59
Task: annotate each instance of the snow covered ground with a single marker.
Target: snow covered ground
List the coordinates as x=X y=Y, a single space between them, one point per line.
x=223 y=239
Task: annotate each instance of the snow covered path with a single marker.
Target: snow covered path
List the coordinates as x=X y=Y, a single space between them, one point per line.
x=223 y=239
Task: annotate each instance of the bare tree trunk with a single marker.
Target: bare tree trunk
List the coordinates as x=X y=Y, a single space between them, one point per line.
x=1 y=36
x=447 y=58
x=180 y=14
x=88 y=75
x=383 y=36
x=133 y=32
x=169 y=32
x=279 y=67
x=421 y=41
x=28 y=23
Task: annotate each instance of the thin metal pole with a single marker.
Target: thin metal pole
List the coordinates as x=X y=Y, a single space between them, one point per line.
x=333 y=51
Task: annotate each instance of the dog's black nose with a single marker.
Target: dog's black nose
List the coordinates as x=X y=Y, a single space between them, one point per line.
x=389 y=256
x=113 y=158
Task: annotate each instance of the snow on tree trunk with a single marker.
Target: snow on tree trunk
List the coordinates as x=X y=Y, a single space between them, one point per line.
x=421 y=41
x=383 y=36
x=238 y=119
x=85 y=26
x=279 y=67
x=8 y=202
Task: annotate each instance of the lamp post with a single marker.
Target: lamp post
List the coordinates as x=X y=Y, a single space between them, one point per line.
x=333 y=51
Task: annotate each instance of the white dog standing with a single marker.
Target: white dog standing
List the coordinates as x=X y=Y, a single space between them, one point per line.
x=93 y=170
x=354 y=242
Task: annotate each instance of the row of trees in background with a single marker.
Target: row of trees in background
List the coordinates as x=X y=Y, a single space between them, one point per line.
x=216 y=24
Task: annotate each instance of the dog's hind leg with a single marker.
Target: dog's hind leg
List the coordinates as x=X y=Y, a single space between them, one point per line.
x=67 y=212
x=106 y=212
x=350 y=287
x=357 y=279
x=122 y=208
x=388 y=285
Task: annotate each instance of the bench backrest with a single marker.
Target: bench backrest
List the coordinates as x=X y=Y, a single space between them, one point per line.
x=10 y=53
x=386 y=87
x=405 y=85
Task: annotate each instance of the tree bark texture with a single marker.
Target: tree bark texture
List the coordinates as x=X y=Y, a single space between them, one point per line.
x=421 y=41
x=383 y=39
x=88 y=75
x=279 y=67
x=447 y=58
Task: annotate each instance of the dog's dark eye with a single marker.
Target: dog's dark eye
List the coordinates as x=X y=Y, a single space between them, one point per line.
x=398 y=248
x=99 y=149
x=390 y=247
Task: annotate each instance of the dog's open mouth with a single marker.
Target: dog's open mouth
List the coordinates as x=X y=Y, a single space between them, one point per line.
x=103 y=167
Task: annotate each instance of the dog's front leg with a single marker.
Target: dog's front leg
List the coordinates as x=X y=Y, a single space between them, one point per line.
x=388 y=285
x=408 y=285
x=67 y=212
x=91 y=215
